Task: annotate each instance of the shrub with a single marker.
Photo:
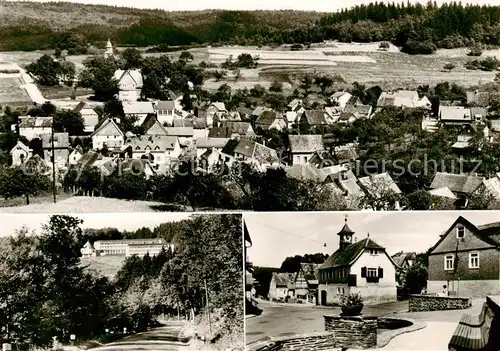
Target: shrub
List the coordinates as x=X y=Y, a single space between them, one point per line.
x=476 y=50
x=351 y=300
x=414 y=47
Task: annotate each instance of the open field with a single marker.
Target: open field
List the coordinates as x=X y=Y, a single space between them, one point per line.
x=85 y=204
x=355 y=62
x=108 y=266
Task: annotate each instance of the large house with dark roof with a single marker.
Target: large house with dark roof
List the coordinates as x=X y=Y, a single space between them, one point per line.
x=466 y=259
x=357 y=267
x=303 y=147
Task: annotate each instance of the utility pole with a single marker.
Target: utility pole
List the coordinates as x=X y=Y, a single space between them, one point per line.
x=208 y=310
x=53 y=164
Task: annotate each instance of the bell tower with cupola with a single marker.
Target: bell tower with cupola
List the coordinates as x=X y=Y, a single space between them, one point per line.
x=345 y=235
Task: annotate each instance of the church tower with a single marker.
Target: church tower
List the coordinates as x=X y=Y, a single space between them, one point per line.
x=345 y=236
x=109 y=50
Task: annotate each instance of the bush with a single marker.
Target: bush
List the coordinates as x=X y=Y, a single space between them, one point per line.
x=476 y=50
x=414 y=47
x=351 y=300
x=488 y=64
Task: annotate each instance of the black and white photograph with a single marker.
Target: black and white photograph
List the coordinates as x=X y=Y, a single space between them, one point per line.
x=116 y=282
x=390 y=281
x=154 y=106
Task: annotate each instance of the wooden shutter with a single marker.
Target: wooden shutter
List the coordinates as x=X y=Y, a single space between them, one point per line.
x=380 y=272
x=363 y=272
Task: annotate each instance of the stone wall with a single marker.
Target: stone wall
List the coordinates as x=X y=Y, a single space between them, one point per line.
x=466 y=288
x=313 y=341
x=422 y=303
x=353 y=332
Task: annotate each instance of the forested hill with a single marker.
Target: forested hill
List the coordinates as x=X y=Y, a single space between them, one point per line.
x=29 y=26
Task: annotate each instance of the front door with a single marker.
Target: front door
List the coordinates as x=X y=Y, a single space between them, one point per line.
x=323 y=297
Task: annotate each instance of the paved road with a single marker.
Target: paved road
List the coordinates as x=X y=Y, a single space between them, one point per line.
x=158 y=339
x=288 y=319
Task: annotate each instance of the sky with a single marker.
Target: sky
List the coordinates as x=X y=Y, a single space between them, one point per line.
x=276 y=236
x=190 y=5
x=10 y=223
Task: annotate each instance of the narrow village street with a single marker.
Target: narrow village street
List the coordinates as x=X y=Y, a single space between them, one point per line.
x=280 y=320
x=167 y=338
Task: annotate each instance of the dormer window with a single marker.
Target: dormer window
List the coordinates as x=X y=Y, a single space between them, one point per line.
x=373 y=252
x=460 y=232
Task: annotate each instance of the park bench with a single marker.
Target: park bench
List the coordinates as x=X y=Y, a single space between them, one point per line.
x=473 y=332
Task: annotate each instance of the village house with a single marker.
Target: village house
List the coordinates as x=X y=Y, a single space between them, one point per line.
x=249 y=151
x=282 y=287
x=90 y=117
x=462 y=185
x=31 y=127
x=151 y=126
x=402 y=98
x=270 y=120
x=215 y=109
x=238 y=128
x=129 y=84
x=466 y=259
x=108 y=134
x=296 y=105
x=303 y=147
x=291 y=118
x=464 y=138
x=492 y=187
x=60 y=142
x=404 y=259
x=454 y=115
x=159 y=150
x=258 y=111
x=185 y=134
x=312 y=118
x=379 y=186
x=205 y=144
x=138 y=110
x=166 y=112
x=75 y=155
x=340 y=99
x=249 y=281
x=357 y=267
x=20 y=153
x=306 y=283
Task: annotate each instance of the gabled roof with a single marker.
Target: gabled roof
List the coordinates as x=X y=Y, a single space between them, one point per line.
x=219 y=106
x=478 y=98
x=20 y=145
x=211 y=142
x=267 y=117
x=61 y=140
x=135 y=74
x=167 y=105
x=348 y=255
x=35 y=122
x=180 y=131
x=315 y=117
x=159 y=143
x=378 y=183
x=230 y=147
x=220 y=132
x=489 y=233
x=401 y=257
x=284 y=279
x=306 y=143
x=108 y=122
x=152 y=126
x=256 y=151
x=443 y=192
x=182 y=122
x=457 y=183
x=138 y=108
x=241 y=128
x=454 y=113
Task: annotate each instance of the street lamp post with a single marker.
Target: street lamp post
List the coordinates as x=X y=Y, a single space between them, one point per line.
x=53 y=164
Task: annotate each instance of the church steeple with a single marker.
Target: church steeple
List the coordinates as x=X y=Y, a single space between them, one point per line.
x=345 y=235
x=109 y=50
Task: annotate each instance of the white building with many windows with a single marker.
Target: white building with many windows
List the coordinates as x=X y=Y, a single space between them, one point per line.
x=126 y=247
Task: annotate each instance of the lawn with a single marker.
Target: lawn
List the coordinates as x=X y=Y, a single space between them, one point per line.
x=108 y=266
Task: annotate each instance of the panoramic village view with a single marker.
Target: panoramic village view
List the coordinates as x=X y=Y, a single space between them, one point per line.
x=398 y=281
x=113 y=282
x=377 y=107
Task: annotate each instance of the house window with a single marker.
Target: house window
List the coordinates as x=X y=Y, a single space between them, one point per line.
x=373 y=252
x=340 y=291
x=371 y=272
x=449 y=262
x=474 y=260
x=460 y=232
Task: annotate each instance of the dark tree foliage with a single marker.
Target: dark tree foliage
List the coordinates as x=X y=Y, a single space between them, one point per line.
x=292 y=264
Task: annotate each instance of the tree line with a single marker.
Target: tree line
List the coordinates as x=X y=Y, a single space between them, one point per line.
x=417 y=28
